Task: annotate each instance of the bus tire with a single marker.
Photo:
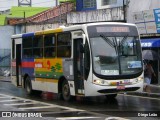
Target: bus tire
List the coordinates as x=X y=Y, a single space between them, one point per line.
x=111 y=96
x=28 y=86
x=66 y=91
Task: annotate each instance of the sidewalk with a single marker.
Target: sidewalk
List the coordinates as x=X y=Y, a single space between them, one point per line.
x=155 y=89
x=5 y=79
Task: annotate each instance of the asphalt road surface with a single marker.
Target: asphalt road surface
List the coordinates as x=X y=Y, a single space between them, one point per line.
x=14 y=99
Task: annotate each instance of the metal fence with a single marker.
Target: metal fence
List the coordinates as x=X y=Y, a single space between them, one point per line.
x=5 y=62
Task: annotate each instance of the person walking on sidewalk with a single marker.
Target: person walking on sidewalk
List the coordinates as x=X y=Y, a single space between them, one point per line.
x=148 y=72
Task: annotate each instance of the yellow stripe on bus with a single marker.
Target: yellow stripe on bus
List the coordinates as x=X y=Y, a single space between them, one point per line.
x=49 y=31
x=47 y=80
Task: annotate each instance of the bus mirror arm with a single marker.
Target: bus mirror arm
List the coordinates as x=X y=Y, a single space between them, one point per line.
x=82 y=45
x=84 y=38
x=81 y=48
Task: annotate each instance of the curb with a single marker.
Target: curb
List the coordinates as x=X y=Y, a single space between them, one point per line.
x=5 y=79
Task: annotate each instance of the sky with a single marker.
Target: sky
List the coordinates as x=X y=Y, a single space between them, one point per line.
x=7 y=4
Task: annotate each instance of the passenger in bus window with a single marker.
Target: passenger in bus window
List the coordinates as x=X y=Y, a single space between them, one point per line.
x=68 y=52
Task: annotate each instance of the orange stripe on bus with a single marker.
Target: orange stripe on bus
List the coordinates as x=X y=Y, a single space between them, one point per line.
x=47 y=80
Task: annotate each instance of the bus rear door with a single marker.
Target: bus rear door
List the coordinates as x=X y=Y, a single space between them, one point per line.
x=18 y=49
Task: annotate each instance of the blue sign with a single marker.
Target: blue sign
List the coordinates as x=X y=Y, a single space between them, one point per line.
x=152 y=42
x=157 y=19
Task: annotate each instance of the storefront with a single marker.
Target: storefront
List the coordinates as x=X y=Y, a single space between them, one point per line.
x=153 y=44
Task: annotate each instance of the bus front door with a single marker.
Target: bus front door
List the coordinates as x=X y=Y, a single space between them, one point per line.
x=78 y=66
x=18 y=65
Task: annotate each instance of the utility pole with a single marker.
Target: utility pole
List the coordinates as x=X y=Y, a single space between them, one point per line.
x=124 y=10
x=26 y=3
x=56 y=2
x=24 y=19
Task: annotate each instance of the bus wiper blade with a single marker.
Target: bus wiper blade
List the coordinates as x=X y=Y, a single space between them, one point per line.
x=115 y=44
x=108 y=41
x=124 y=38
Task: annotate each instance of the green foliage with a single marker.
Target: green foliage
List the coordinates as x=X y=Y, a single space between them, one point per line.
x=53 y=69
x=2 y=19
x=67 y=1
x=22 y=12
x=56 y=68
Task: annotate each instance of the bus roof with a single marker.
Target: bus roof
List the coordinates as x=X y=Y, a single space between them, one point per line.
x=16 y=36
x=27 y=35
x=68 y=28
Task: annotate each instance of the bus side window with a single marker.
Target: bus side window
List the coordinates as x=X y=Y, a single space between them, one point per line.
x=64 y=45
x=27 y=47
x=49 y=46
x=27 y=53
x=38 y=46
x=49 y=52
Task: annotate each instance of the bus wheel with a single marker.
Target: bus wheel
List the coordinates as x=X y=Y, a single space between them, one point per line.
x=111 y=96
x=66 y=91
x=28 y=86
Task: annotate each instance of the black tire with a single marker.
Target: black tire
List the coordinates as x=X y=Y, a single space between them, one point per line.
x=111 y=96
x=66 y=91
x=28 y=86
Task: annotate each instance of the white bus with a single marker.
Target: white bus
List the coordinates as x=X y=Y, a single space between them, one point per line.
x=92 y=59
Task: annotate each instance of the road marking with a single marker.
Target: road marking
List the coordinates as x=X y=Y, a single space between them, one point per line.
x=36 y=107
x=8 y=100
x=76 y=118
x=4 y=97
x=19 y=104
x=116 y=118
x=47 y=105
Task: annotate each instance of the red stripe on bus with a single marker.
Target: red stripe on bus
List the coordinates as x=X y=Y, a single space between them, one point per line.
x=28 y=64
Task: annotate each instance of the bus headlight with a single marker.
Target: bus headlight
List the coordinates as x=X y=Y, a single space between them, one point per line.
x=140 y=79
x=137 y=80
x=101 y=82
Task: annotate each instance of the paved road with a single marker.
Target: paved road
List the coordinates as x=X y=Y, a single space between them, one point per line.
x=124 y=106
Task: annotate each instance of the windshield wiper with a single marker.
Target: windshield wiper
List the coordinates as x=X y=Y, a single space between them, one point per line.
x=113 y=43
x=123 y=40
x=108 y=40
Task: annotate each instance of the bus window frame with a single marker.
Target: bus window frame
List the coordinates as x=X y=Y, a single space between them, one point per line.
x=69 y=47
x=52 y=46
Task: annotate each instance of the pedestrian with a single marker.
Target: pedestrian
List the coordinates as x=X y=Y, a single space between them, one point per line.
x=148 y=72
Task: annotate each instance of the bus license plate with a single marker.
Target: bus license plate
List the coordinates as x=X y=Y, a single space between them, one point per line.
x=121 y=87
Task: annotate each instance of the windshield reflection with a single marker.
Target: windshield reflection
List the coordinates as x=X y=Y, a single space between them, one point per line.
x=116 y=55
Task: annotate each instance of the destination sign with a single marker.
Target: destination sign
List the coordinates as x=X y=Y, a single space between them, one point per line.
x=112 y=29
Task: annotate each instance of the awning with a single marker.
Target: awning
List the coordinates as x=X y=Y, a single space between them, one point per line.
x=150 y=42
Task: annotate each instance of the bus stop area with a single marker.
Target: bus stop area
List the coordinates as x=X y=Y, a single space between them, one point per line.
x=155 y=89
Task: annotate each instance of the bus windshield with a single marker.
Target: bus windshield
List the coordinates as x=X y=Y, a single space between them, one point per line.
x=118 y=55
